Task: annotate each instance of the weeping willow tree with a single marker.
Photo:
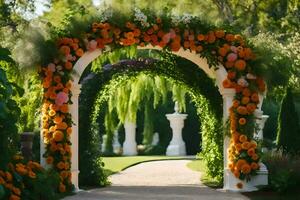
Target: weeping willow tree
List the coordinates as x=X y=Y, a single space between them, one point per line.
x=127 y=99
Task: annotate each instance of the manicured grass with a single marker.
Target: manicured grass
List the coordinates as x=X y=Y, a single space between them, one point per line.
x=116 y=164
x=198 y=165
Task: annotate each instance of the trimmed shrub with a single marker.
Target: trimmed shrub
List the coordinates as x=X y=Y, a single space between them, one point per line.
x=288 y=135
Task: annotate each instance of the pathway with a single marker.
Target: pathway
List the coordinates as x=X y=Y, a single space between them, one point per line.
x=158 y=180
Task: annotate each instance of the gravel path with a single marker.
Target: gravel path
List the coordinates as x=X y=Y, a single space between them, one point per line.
x=158 y=173
x=157 y=180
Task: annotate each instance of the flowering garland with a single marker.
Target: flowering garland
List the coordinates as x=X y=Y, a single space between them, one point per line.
x=216 y=45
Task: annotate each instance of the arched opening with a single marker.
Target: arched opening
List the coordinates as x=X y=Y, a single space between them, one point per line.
x=202 y=90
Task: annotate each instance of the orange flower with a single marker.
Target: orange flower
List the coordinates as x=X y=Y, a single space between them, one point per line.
x=69 y=130
x=57 y=79
x=245 y=145
x=231 y=74
x=62 y=188
x=246 y=169
x=246 y=92
x=200 y=37
x=242 y=110
x=65 y=50
x=236 y=173
x=245 y=100
x=17 y=191
x=227 y=83
x=251 y=151
x=46 y=84
x=57 y=119
x=229 y=37
x=79 y=52
x=255 y=97
x=49 y=160
x=68 y=65
x=229 y=64
x=240 y=163
x=222 y=51
x=14 y=197
x=255 y=157
x=211 y=37
x=251 y=107
x=175 y=46
x=199 y=48
x=236 y=103
x=253 y=144
x=240 y=65
x=62 y=126
x=60 y=165
x=239 y=185
x=52 y=113
x=254 y=166
x=242 y=121
x=219 y=33
x=31 y=174
x=58 y=136
x=64 y=108
x=243 y=138
x=9 y=177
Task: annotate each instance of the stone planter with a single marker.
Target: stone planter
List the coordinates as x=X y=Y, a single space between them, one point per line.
x=26 y=144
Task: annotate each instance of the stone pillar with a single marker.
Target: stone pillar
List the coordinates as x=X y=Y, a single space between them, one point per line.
x=228 y=96
x=42 y=148
x=129 y=145
x=103 y=145
x=155 y=139
x=116 y=144
x=74 y=136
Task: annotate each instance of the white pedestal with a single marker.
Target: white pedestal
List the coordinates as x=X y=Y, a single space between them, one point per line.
x=129 y=145
x=177 y=145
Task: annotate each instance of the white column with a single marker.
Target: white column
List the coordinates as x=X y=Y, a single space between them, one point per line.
x=129 y=145
x=177 y=145
x=228 y=96
x=42 y=147
x=74 y=136
x=116 y=144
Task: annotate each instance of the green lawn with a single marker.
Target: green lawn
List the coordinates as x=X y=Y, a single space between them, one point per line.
x=116 y=164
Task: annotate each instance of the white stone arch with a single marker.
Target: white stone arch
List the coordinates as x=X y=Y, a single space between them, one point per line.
x=218 y=73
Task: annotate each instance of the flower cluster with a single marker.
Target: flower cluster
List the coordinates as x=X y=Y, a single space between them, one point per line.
x=14 y=178
x=243 y=151
x=56 y=119
x=226 y=48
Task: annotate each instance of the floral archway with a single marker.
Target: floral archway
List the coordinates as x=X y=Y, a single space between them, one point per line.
x=227 y=56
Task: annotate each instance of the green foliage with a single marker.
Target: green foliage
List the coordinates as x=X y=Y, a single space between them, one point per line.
x=9 y=114
x=284 y=173
x=30 y=104
x=288 y=135
x=91 y=166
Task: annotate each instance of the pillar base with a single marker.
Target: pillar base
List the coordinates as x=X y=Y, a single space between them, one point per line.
x=230 y=181
x=129 y=148
x=176 y=150
x=75 y=182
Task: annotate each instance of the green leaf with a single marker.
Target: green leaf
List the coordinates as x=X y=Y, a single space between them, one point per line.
x=2 y=192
